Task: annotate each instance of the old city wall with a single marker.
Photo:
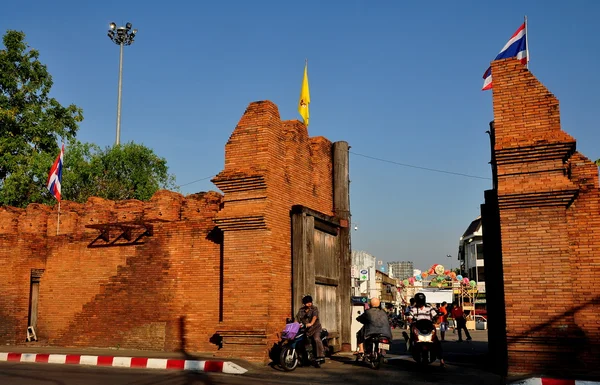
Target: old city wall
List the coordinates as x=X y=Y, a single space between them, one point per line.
x=119 y=296
x=270 y=165
x=214 y=269
x=549 y=207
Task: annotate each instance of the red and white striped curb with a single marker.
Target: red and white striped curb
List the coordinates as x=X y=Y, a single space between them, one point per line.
x=553 y=381
x=125 y=362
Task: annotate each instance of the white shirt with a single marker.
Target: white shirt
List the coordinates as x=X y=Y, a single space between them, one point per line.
x=426 y=312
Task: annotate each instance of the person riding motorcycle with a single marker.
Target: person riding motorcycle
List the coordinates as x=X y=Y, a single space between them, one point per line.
x=375 y=321
x=309 y=316
x=422 y=311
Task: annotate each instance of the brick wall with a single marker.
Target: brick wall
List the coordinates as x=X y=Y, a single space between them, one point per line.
x=550 y=231
x=212 y=264
x=270 y=165
x=139 y=297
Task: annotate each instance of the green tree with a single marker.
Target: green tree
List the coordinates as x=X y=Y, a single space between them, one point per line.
x=31 y=123
x=129 y=171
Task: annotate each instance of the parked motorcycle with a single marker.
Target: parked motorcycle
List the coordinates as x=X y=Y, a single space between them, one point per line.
x=423 y=344
x=297 y=348
x=375 y=347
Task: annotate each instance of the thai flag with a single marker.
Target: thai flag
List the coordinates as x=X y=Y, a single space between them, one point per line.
x=516 y=47
x=55 y=175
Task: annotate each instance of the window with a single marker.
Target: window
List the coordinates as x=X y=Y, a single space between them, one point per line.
x=480 y=274
x=480 y=251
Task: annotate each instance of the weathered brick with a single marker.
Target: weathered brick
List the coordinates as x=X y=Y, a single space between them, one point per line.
x=550 y=230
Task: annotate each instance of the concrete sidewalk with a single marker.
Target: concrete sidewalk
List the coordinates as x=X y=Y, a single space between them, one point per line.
x=124 y=358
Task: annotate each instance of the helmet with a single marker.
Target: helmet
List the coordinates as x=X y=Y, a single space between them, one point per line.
x=420 y=299
x=306 y=299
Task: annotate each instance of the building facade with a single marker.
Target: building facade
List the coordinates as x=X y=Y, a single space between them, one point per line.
x=401 y=270
x=470 y=254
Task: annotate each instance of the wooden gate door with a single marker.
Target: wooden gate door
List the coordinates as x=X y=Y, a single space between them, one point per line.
x=316 y=267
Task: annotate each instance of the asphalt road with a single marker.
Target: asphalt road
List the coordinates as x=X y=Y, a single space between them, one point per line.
x=465 y=366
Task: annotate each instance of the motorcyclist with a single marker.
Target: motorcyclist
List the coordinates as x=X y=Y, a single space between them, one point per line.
x=422 y=311
x=375 y=321
x=309 y=316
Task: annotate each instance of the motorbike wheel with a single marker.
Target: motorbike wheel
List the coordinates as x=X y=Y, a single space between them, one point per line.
x=425 y=359
x=375 y=361
x=288 y=359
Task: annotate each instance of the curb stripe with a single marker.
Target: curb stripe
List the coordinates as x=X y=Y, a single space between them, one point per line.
x=213 y=366
x=139 y=362
x=26 y=357
x=72 y=359
x=56 y=358
x=42 y=358
x=105 y=360
x=194 y=365
x=88 y=360
x=127 y=362
x=14 y=357
x=175 y=364
x=124 y=362
x=157 y=363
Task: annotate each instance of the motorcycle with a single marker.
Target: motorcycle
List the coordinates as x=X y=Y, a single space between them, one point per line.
x=396 y=322
x=375 y=346
x=297 y=348
x=423 y=344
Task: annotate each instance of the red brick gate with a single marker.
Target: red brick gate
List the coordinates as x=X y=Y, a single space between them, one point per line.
x=542 y=235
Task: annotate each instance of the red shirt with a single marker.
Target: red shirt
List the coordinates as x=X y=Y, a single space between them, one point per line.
x=457 y=312
x=443 y=314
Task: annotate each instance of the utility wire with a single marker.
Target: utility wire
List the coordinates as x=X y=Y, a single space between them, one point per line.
x=197 y=180
x=379 y=160
x=420 y=168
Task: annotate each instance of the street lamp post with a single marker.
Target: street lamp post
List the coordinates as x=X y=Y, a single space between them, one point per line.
x=449 y=256
x=121 y=36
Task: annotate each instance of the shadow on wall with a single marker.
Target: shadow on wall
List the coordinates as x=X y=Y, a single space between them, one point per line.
x=570 y=346
x=191 y=377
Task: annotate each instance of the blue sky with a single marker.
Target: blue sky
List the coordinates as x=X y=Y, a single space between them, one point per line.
x=398 y=80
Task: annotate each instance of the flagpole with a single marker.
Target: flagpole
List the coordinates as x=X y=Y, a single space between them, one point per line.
x=58 y=216
x=526 y=43
x=58 y=219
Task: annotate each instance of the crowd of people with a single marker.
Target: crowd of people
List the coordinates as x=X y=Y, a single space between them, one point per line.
x=377 y=320
x=444 y=314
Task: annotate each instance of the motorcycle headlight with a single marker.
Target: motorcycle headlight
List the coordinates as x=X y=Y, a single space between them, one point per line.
x=425 y=337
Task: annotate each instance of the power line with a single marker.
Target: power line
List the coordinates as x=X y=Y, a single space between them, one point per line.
x=197 y=180
x=380 y=160
x=420 y=168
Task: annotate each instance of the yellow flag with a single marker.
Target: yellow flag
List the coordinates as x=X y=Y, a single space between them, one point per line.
x=304 y=97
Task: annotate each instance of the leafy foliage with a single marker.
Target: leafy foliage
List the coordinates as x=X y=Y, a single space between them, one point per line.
x=31 y=124
x=129 y=171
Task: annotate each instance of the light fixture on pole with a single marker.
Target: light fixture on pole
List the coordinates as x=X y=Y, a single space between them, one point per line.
x=449 y=256
x=121 y=36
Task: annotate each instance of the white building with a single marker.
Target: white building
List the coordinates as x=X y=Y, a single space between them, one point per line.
x=470 y=254
x=364 y=284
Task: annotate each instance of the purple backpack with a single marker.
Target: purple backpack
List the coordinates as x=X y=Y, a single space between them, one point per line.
x=290 y=331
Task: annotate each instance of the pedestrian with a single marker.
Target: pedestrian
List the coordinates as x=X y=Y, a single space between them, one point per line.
x=443 y=317
x=309 y=316
x=407 y=312
x=461 y=322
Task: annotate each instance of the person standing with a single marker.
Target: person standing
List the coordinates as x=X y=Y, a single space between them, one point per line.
x=443 y=314
x=309 y=316
x=461 y=323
